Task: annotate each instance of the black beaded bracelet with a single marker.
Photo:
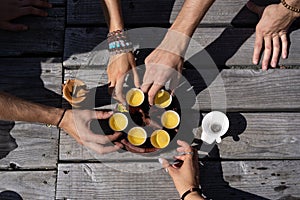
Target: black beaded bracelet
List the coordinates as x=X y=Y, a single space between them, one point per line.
x=198 y=190
x=297 y=10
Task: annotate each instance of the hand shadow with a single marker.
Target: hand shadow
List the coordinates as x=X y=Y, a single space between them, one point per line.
x=213 y=184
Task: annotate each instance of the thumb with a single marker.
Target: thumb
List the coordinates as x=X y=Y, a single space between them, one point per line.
x=255 y=8
x=12 y=27
x=103 y=115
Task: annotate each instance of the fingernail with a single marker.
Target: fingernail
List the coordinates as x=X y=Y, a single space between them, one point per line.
x=111 y=112
x=255 y=62
x=284 y=56
x=160 y=160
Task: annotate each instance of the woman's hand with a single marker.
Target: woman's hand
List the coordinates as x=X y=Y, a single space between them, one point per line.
x=186 y=176
x=119 y=65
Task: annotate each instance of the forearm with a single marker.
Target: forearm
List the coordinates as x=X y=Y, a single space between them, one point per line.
x=113 y=14
x=15 y=109
x=190 y=15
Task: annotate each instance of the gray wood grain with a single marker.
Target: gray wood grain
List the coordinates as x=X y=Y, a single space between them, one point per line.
x=250 y=136
x=164 y=12
x=28 y=146
x=251 y=90
x=45 y=35
x=225 y=46
x=39 y=80
x=27 y=185
x=34 y=79
x=246 y=179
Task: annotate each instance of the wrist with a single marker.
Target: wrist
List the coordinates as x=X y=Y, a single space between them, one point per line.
x=292 y=6
x=175 y=42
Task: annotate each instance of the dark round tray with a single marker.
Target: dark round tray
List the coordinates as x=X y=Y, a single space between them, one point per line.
x=145 y=116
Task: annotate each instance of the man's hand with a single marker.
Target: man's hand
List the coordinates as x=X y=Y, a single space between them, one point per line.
x=12 y=9
x=161 y=66
x=117 y=69
x=271 y=33
x=77 y=124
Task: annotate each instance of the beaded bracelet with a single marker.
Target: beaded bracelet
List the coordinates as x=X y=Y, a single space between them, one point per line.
x=297 y=10
x=118 y=42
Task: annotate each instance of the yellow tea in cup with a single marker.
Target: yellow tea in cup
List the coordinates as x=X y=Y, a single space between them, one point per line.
x=137 y=136
x=160 y=139
x=118 y=122
x=170 y=119
x=135 y=97
x=162 y=99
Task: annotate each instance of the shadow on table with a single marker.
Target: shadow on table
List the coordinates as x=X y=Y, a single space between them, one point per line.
x=10 y=195
x=215 y=187
x=22 y=78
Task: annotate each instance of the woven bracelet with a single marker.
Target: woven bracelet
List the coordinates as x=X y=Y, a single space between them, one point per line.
x=297 y=10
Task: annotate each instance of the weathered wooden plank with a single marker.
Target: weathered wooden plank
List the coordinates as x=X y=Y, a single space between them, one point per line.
x=34 y=79
x=45 y=35
x=26 y=145
x=137 y=13
x=226 y=46
x=38 y=80
x=27 y=185
x=247 y=180
x=251 y=136
x=250 y=90
x=262 y=136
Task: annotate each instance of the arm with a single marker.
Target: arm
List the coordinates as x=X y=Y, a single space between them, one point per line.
x=271 y=31
x=167 y=59
x=120 y=64
x=74 y=122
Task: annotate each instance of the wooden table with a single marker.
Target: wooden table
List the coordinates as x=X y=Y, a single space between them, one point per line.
x=258 y=158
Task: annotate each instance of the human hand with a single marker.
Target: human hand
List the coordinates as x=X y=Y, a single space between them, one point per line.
x=77 y=124
x=12 y=9
x=117 y=69
x=186 y=176
x=271 y=32
x=161 y=66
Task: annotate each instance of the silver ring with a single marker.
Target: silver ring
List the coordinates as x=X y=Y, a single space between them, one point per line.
x=166 y=169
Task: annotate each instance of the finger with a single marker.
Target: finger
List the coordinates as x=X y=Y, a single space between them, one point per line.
x=257 y=47
x=37 y=3
x=174 y=83
x=131 y=147
x=284 y=42
x=101 y=149
x=135 y=77
x=185 y=145
x=145 y=87
x=119 y=90
x=13 y=27
x=164 y=163
x=32 y=11
x=276 y=51
x=267 y=52
x=152 y=92
x=102 y=114
x=114 y=136
x=255 y=8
